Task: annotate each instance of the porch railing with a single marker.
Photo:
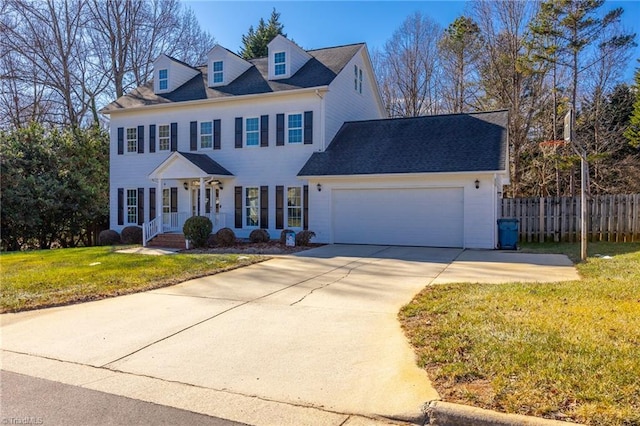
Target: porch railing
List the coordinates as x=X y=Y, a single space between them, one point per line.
x=174 y=222
x=149 y=230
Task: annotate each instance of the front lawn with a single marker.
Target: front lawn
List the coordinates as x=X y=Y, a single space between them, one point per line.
x=44 y=278
x=567 y=350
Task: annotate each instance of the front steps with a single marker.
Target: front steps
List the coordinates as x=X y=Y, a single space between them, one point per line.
x=176 y=241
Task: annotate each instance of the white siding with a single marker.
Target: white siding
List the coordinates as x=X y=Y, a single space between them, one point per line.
x=479 y=221
x=344 y=103
x=253 y=166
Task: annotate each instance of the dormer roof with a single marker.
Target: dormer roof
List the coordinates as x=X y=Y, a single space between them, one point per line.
x=285 y=58
x=320 y=70
x=175 y=73
x=231 y=65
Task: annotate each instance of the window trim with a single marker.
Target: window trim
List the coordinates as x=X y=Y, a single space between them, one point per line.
x=160 y=138
x=282 y=63
x=301 y=128
x=246 y=207
x=246 y=132
x=129 y=140
x=127 y=206
x=217 y=73
x=164 y=79
x=299 y=207
x=201 y=135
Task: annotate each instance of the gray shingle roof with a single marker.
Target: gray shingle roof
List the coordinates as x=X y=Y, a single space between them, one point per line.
x=432 y=144
x=206 y=164
x=320 y=70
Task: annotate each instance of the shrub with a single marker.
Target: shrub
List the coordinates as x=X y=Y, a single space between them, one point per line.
x=196 y=229
x=283 y=236
x=226 y=237
x=108 y=237
x=212 y=240
x=259 y=236
x=303 y=238
x=132 y=235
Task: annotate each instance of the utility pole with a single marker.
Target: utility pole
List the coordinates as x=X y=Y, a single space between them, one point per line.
x=569 y=137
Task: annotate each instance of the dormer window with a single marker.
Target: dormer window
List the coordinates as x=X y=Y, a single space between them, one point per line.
x=280 y=61
x=218 y=73
x=163 y=79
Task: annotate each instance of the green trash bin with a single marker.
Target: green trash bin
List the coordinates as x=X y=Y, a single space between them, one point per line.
x=508 y=234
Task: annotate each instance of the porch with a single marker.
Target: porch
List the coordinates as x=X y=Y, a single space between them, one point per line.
x=202 y=179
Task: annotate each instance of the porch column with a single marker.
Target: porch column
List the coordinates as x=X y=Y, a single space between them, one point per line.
x=159 y=201
x=202 y=198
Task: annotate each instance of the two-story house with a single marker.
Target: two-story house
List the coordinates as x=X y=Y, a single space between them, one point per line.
x=299 y=140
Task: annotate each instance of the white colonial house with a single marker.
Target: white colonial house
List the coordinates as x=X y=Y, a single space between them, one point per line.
x=300 y=140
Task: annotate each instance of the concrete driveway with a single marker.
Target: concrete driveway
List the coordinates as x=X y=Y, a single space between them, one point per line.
x=305 y=339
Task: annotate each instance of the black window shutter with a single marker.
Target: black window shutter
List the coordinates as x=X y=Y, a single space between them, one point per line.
x=280 y=129
x=238 y=207
x=120 y=141
x=238 y=132
x=152 y=138
x=140 y=139
x=279 y=207
x=308 y=127
x=264 y=207
x=140 y=206
x=174 y=200
x=193 y=136
x=264 y=130
x=120 y=206
x=216 y=134
x=174 y=136
x=152 y=204
x=305 y=207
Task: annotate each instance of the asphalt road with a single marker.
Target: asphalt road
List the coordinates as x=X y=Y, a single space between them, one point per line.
x=33 y=401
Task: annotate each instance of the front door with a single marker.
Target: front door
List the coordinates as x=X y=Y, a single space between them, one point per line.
x=195 y=202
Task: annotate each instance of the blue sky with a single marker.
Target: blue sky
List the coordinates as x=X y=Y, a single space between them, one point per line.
x=316 y=24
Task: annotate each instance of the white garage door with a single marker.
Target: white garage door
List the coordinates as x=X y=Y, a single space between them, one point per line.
x=409 y=217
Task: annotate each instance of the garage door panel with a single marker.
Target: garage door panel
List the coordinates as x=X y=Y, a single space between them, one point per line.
x=421 y=217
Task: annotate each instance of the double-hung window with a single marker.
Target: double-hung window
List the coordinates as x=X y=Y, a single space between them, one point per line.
x=132 y=206
x=163 y=137
x=163 y=79
x=252 y=206
x=206 y=135
x=252 y=132
x=294 y=128
x=294 y=207
x=280 y=61
x=132 y=139
x=218 y=73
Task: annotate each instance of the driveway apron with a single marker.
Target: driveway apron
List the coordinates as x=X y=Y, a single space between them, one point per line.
x=317 y=329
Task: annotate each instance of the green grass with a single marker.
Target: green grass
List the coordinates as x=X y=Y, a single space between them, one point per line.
x=45 y=278
x=568 y=350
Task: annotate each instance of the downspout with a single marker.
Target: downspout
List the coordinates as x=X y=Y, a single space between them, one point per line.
x=322 y=121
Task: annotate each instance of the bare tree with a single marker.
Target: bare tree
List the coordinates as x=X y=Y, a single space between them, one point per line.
x=510 y=78
x=408 y=68
x=64 y=59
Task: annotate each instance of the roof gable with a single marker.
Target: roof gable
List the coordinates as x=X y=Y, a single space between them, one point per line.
x=179 y=164
x=232 y=65
x=432 y=144
x=177 y=73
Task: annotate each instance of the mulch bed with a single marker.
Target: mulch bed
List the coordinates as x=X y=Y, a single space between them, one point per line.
x=246 y=247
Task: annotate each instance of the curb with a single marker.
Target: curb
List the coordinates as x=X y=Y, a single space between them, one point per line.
x=441 y=413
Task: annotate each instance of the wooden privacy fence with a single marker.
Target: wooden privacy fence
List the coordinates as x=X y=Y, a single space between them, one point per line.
x=609 y=218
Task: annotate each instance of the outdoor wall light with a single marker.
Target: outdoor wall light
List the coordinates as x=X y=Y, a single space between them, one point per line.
x=186 y=186
x=477 y=184
x=319 y=186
